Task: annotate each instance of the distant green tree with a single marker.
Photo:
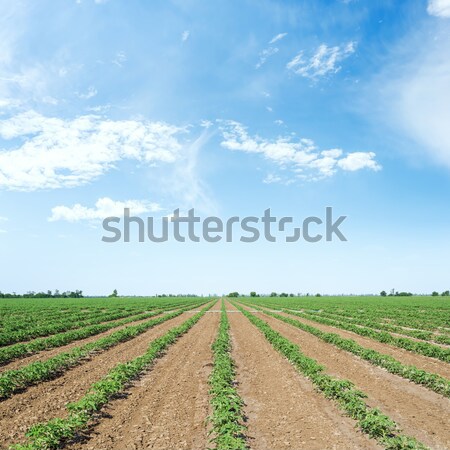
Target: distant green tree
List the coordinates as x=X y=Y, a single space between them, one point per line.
x=274 y=294
x=318 y=295
x=233 y=294
x=291 y=295
x=445 y=294
x=383 y=293
x=253 y=294
x=114 y=293
x=435 y=294
x=284 y=294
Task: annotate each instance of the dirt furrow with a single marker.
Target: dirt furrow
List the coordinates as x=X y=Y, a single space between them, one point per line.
x=419 y=412
x=45 y=354
x=48 y=399
x=404 y=356
x=167 y=408
x=284 y=411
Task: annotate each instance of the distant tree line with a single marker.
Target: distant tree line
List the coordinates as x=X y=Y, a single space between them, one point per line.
x=48 y=294
x=394 y=293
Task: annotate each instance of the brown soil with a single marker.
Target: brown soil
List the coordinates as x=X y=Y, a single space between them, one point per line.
x=46 y=354
x=283 y=409
x=48 y=399
x=404 y=356
x=418 y=411
x=167 y=408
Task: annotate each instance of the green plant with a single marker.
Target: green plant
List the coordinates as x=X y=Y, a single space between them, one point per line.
x=227 y=416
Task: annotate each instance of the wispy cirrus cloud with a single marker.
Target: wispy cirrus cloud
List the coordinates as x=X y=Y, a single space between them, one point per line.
x=270 y=50
x=301 y=157
x=324 y=61
x=185 y=35
x=412 y=94
x=277 y=38
x=90 y=93
x=54 y=153
x=265 y=55
x=104 y=207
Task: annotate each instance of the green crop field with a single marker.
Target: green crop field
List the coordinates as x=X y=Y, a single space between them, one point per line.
x=380 y=362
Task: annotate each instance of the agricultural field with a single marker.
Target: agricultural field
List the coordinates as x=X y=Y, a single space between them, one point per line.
x=225 y=373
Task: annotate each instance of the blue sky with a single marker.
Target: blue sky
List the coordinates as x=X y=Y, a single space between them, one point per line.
x=229 y=108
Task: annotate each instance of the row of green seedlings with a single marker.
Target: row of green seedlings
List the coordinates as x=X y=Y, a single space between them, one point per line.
x=418 y=334
x=41 y=317
x=13 y=381
x=22 y=349
x=410 y=317
x=54 y=433
x=227 y=417
x=57 y=326
x=370 y=420
x=60 y=323
x=422 y=348
x=432 y=381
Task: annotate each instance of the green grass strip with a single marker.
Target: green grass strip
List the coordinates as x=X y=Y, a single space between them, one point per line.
x=227 y=417
x=370 y=420
x=12 y=381
x=19 y=350
x=50 y=435
x=432 y=381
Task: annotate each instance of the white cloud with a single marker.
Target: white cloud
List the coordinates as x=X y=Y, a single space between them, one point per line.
x=412 y=95
x=278 y=122
x=3 y=219
x=323 y=62
x=301 y=156
x=91 y=92
x=119 y=59
x=185 y=35
x=55 y=153
x=278 y=37
x=183 y=180
x=206 y=123
x=104 y=207
x=439 y=8
x=265 y=54
x=271 y=178
x=359 y=160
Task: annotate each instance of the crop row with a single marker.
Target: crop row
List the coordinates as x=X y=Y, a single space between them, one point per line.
x=57 y=326
x=422 y=348
x=21 y=349
x=43 y=322
x=12 y=381
x=50 y=435
x=227 y=406
x=420 y=313
x=403 y=317
x=370 y=420
x=432 y=381
x=418 y=334
x=15 y=322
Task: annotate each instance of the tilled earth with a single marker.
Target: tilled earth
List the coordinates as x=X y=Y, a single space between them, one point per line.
x=168 y=406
